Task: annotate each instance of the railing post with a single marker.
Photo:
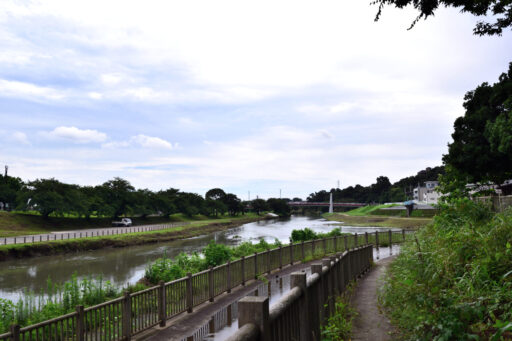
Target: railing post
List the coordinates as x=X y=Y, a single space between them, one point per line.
x=242 y=265
x=327 y=287
x=127 y=316
x=280 y=257
x=377 y=243
x=403 y=235
x=298 y=279
x=324 y=245
x=335 y=244
x=291 y=252
x=366 y=238
x=228 y=275
x=252 y=309
x=268 y=262
x=313 y=249
x=190 y=297
x=390 y=242
x=255 y=265
x=355 y=240
x=161 y=303
x=211 y=325
x=230 y=315
x=317 y=302
x=15 y=331
x=80 y=320
x=210 y=283
x=349 y=266
x=334 y=275
x=345 y=240
x=303 y=252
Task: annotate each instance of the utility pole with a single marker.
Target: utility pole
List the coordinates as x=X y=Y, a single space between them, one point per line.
x=338 y=184
x=6 y=169
x=279 y=193
x=249 y=195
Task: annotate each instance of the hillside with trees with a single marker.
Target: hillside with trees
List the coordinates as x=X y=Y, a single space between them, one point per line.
x=381 y=191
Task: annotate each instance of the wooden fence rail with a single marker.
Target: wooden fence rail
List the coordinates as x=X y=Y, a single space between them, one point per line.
x=121 y=318
x=299 y=314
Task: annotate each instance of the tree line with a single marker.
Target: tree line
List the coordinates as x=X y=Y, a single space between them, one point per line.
x=117 y=197
x=381 y=191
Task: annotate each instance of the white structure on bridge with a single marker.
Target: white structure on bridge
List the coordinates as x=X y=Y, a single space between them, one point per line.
x=331 y=206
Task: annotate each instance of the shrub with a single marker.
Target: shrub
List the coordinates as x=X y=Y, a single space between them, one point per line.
x=454 y=281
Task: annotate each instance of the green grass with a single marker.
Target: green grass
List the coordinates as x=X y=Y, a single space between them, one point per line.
x=366 y=210
x=378 y=221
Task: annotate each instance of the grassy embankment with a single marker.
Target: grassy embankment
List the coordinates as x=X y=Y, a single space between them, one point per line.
x=197 y=226
x=373 y=216
x=454 y=280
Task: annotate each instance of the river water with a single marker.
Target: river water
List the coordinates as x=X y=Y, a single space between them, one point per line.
x=124 y=266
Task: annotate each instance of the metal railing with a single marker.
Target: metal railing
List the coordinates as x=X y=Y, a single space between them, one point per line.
x=133 y=313
x=299 y=314
x=108 y=231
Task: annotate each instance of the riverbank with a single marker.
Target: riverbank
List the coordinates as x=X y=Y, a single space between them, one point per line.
x=377 y=221
x=195 y=228
x=26 y=223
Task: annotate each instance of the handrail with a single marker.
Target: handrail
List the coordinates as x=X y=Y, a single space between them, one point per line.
x=177 y=296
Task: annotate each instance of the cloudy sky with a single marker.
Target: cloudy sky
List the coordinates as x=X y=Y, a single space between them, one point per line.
x=243 y=95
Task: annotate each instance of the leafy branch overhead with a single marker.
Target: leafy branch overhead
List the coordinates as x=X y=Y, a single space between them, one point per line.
x=500 y=10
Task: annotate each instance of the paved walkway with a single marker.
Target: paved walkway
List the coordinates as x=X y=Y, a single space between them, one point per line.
x=371 y=323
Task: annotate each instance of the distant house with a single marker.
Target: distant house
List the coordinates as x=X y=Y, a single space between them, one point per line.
x=426 y=194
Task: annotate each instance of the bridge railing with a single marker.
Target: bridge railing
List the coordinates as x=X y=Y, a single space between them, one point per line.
x=133 y=313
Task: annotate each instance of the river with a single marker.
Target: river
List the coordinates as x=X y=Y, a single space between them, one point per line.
x=124 y=266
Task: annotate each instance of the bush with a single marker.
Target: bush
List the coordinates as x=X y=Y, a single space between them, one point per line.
x=303 y=235
x=216 y=254
x=454 y=281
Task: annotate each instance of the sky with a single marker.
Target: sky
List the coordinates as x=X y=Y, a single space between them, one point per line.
x=256 y=96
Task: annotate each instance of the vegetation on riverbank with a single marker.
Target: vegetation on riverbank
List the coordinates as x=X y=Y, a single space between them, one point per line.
x=167 y=269
x=378 y=221
x=93 y=243
x=454 y=281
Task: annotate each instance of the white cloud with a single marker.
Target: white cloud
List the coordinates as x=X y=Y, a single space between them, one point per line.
x=141 y=141
x=95 y=95
x=20 y=137
x=27 y=90
x=151 y=142
x=77 y=135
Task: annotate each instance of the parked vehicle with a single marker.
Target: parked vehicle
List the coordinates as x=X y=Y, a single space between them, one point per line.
x=125 y=222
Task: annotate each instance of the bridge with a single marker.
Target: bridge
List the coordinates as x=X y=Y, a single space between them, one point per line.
x=324 y=204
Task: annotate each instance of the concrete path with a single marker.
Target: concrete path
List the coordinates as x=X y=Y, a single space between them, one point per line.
x=370 y=323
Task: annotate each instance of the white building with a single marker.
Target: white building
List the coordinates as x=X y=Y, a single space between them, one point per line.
x=427 y=194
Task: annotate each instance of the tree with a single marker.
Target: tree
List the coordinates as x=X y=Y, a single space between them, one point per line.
x=482 y=138
x=165 y=201
x=9 y=189
x=233 y=203
x=48 y=196
x=118 y=193
x=279 y=206
x=501 y=10
x=259 y=205
x=215 y=194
